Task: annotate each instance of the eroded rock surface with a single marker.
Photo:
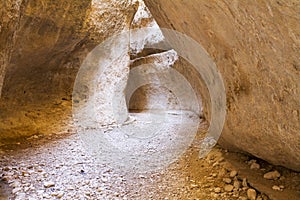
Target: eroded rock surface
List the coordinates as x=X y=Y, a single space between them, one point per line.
x=256 y=46
x=44 y=43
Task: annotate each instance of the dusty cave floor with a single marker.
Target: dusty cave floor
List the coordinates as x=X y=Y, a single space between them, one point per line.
x=57 y=166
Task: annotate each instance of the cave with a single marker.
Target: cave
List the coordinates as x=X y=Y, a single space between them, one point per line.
x=149 y=99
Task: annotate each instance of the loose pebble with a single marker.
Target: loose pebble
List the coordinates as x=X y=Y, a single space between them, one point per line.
x=251 y=194
x=233 y=173
x=217 y=190
x=60 y=194
x=273 y=175
x=49 y=184
x=194 y=186
x=276 y=187
x=237 y=184
x=244 y=183
x=228 y=188
x=254 y=166
x=15 y=190
x=227 y=180
x=250 y=162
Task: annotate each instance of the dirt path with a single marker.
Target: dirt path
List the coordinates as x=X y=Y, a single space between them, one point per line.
x=58 y=166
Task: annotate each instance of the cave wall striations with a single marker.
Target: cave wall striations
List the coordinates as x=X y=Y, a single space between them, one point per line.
x=256 y=46
x=42 y=46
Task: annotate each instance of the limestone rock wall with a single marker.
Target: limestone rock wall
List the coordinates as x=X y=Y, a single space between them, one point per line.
x=44 y=43
x=256 y=46
x=10 y=14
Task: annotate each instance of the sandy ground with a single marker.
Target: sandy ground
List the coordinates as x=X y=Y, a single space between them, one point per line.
x=60 y=166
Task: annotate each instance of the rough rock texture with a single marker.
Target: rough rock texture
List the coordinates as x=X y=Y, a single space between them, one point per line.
x=156 y=69
x=153 y=97
x=98 y=93
x=10 y=13
x=167 y=83
x=256 y=46
x=44 y=43
x=143 y=19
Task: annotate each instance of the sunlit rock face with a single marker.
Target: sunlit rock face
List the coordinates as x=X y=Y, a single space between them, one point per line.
x=44 y=43
x=256 y=47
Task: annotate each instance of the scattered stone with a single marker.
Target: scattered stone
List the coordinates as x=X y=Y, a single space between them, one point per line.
x=281 y=186
x=251 y=194
x=273 y=175
x=48 y=184
x=214 y=195
x=222 y=172
x=254 y=166
x=104 y=179
x=194 y=186
x=60 y=194
x=217 y=190
x=250 y=162
x=46 y=196
x=233 y=173
x=237 y=184
x=282 y=178
x=54 y=194
x=227 y=180
x=39 y=170
x=244 y=183
x=216 y=164
x=35 y=137
x=26 y=189
x=70 y=188
x=276 y=188
x=228 y=188
x=15 y=184
x=15 y=190
x=6 y=169
x=20 y=196
x=259 y=198
x=142 y=176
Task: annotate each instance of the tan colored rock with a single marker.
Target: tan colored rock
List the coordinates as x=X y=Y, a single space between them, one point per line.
x=254 y=166
x=273 y=175
x=251 y=193
x=244 y=182
x=217 y=190
x=44 y=43
x=237 y=184
x=276 y=188
x=49 y=184
x=256 y=47
x=227 y=180
x=233 y=173
x=228 y=188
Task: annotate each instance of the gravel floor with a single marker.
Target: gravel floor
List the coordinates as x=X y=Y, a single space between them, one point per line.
x=59 y=166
